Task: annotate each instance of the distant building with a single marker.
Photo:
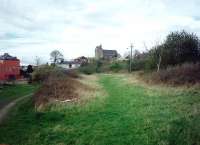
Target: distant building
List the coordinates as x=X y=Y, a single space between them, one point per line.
x=69 y=64
x=9 y=67
x=101 y=53
x=73 y=64
x=82 y=60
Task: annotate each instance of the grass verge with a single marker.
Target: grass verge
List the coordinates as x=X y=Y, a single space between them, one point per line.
x=129 y=114
x=9 y=93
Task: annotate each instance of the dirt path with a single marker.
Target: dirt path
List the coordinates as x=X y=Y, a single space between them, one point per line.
x=4 y=111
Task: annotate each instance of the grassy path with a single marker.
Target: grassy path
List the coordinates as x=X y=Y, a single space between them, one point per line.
x=144 y=116
x=10 y=93
x=128 y=114
x=5 y=110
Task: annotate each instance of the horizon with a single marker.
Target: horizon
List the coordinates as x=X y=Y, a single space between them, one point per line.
x=35 y=28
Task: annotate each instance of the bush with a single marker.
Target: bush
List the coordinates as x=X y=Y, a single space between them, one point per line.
x=181 y=74
x=88 y=69
x=116 y=67
x=72 y=73
x=56 y=87
x=138 y=64
x=91 y=68
x=103 y=66
x=178 y=48
x=181 y=47
x=43 y=72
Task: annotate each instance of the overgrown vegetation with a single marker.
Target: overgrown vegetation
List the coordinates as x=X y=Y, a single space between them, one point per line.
x=129 y=114
x=185 y=74
x=102 y=66
x=117 y=66
x=42 y=73
x=178 y=48
x=88 y=69
x=56 y=88
x=56 y=84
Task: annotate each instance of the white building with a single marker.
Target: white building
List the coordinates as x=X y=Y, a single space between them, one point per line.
x=69 y=65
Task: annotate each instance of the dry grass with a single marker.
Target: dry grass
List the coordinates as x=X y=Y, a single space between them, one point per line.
x=186 y=74
x=65 y=89
x=138 y=78
x=93 y=89
x=55 y=89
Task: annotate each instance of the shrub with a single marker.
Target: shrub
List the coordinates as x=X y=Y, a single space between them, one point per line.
x=181 y=47
x=116 y=67
x=138 y=64
x=72 y=73
x=99 y=64
x=181 y=74
x=178 y=48
x=103 y=66
x=42 y=73
x=88 y=69
x=56 y=87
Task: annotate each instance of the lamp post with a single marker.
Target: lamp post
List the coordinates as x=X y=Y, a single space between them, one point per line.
x=131 y=56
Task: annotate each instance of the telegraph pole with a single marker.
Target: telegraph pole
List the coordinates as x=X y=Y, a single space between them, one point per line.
x=131 y=56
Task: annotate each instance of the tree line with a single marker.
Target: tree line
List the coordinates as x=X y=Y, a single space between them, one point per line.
x=179 y=47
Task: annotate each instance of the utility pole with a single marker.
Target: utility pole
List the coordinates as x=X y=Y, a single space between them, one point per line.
x=131 y=56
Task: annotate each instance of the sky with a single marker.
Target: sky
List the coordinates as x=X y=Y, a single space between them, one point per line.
x=30 y=28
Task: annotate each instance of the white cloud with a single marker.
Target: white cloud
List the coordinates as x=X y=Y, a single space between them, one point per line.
x=34 y=27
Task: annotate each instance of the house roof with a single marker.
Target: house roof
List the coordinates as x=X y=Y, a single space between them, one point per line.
x=109 y=52
x=6 y=56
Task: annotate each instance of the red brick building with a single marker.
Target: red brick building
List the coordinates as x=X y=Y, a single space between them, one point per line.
x=9 y=67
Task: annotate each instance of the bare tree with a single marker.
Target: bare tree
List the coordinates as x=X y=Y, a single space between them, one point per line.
x=159 y=62
x=159 y=54
x=56 y=56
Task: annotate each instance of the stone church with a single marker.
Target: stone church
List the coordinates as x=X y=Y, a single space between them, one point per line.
x=101 y=53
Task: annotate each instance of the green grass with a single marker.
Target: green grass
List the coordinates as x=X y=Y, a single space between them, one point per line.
x=14 y=91
x=129 y=114
x=9 y=93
